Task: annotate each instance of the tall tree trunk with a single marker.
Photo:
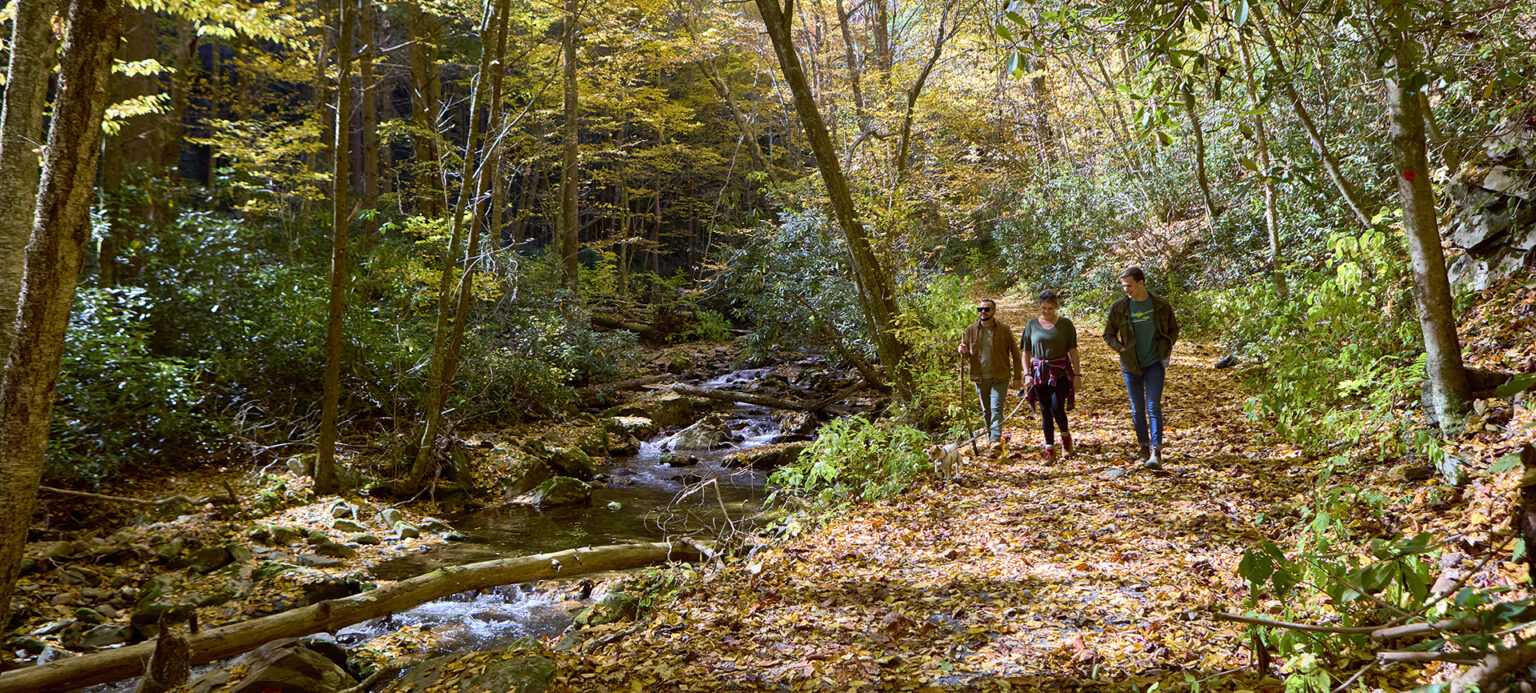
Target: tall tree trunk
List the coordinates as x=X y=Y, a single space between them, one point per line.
x=1266 y=179
x=748 y=132
x=570 y=224
x=215 y=87
x=21 y=133
x=426 y=98
x=1188 y=96
x=1352 y=198
x=904 y=146
x=341 y=155
x=438 y=379
x=878 y=302
x=181 y=86
x=54 y=256
x=1449 y=391
x=131 y=155
x=370 y=107
x=316 y=160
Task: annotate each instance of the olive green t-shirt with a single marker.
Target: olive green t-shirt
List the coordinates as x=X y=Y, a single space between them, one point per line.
x=1041 y=343
x=1146 y=332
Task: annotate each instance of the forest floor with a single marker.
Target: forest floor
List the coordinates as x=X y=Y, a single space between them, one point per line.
x=1086 y=573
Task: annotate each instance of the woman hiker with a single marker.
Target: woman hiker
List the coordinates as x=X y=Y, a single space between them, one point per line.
x=1050 y=341
x=995 y=364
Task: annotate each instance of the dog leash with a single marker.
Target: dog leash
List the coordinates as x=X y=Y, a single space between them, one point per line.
x=1005 y=420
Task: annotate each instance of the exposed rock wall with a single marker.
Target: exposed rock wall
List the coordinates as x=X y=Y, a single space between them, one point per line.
x=1493 y=211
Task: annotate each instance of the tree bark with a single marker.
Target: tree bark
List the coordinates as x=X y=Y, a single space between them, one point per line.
x=570 y=224
x=426 y=97
x=341 y=156
x=218 y=643
x=1449 y=392
x=186 y=51
x=130 y=155
x=878 y=302
x=1200 y=174
x=1266 y=179
x=1352 y=198
x=905 y=145
x=54 y=256
x=442 y=337
x=21 y=133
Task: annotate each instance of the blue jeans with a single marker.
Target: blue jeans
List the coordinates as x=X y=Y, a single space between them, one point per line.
x=993 y=394
x=1146 y=391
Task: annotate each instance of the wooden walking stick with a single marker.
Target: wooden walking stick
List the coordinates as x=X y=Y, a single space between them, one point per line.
x=965 y=411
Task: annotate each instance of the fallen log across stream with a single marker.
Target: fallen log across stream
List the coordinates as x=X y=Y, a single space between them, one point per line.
x=334 y=614
x=763 y=400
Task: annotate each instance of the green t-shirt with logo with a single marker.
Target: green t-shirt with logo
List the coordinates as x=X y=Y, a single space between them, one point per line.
x=1146 y=332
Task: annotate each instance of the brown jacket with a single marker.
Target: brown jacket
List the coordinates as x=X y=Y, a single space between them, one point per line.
x=1007 y=360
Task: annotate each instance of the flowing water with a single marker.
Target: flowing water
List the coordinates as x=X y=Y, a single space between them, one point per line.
x=642 y=500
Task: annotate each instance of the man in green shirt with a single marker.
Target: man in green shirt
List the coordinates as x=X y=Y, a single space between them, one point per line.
x=1142 y=328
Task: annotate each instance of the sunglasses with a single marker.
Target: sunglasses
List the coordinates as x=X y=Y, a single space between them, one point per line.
x=983 y=309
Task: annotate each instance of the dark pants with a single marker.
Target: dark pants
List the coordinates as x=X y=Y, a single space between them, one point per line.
x=1053 y=409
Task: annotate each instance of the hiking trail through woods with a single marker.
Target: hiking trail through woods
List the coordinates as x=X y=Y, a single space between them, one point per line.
x=1023 y=575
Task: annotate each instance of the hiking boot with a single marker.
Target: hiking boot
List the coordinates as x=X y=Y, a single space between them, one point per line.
x=1143 y=453
x=1066 y=444
x=1154 y=460
x=1050 y=452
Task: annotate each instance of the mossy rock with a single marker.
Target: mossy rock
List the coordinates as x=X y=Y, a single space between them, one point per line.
x=665 y=408
x=572 y=462
x=562 y=490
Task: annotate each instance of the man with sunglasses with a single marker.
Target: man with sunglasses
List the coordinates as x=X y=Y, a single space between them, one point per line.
x=995 y=362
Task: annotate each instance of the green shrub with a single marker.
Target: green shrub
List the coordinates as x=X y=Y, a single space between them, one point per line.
x=119 y=404
x=855 y=460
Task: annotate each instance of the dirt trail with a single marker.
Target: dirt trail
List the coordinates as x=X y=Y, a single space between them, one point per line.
x=1089 y=572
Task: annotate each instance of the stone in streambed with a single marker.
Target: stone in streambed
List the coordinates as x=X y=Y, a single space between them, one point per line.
x=282 y=665
x=665 y=408
x=335 y=550
x=562 y=490
x=495 y=670
x=209 y=559
x=703 y=435
x=765 y=456
x=389 y=516
x=104 y=635
x=365 y=540
x=405 y=530
x=348 y=526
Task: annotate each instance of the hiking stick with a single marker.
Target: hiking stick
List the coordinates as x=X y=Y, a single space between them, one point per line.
x=964 y=410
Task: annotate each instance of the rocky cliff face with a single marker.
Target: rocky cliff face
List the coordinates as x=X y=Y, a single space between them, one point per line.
x=1493 y=211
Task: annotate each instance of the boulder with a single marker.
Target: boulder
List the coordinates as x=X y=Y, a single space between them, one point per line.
x=106 y=635
x=157 y=599
x=765 y=456
x=389 y=516
x=705 y=434
x=525 y=473
x=366 y=540
x=209 y=559
x=562 y=490
x=283 y=536
x=310 y=560
x=495 y=670
x=637 y=426
x=335 y=550
x=405 y=530
x=348 y=526
x=665 y=408
x=572 y=462
x=281 y=665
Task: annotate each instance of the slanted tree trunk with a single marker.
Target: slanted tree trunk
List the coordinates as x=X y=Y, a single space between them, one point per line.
x=21 y=132
x=54 y=256
x=438 y=380
x=1200 y=173
x=904 y=146
x=1352 y=198
x=370 y=107
x=331 y=615
x=876 y=296
x=341 y=155
x=1266 y=177
x=570 y=224
x=1448 y=389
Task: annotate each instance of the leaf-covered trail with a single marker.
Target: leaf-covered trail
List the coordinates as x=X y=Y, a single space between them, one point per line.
x=1086 y=573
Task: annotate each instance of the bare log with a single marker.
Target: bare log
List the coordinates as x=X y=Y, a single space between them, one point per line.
x=631 y=384
x=763 y=400
x=1308 y=627
x=331 y=615
x=1494 y=668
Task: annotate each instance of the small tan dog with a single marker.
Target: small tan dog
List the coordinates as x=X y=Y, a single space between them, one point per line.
x=945 y=460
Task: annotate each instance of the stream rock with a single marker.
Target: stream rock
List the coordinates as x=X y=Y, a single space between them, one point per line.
x=157 y=599
x=495 y=671
x=637 y=426
x=281 y=665
x=572 y=462
x=765 y=456
x=705 y=434
x=562 y=490
x=665 y=408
